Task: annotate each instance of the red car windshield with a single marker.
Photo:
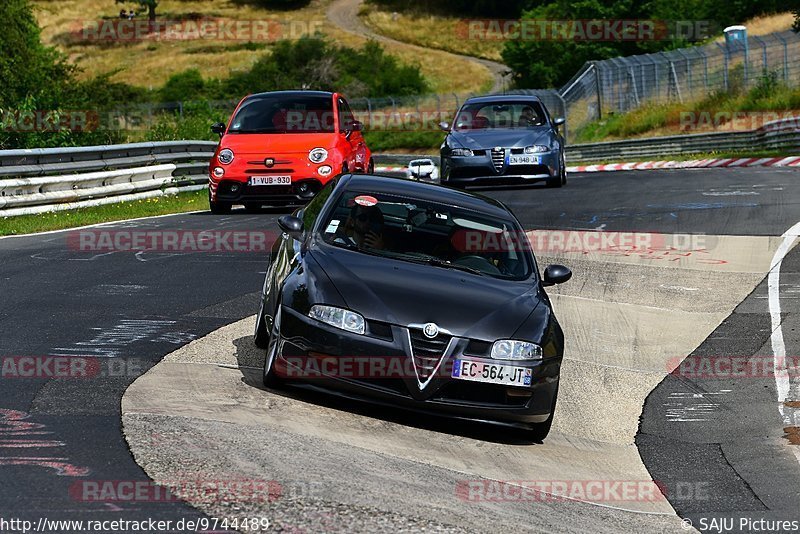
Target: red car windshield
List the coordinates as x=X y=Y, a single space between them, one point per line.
x=284 y=114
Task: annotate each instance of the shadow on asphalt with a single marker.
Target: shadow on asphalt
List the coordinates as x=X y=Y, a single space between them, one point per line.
x=268 y=210
x=251 y=360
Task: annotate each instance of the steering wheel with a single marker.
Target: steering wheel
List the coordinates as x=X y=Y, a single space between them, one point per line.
x=484 y=264
x=346 y=240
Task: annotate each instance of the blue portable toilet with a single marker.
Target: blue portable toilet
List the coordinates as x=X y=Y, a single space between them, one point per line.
x=735 y=36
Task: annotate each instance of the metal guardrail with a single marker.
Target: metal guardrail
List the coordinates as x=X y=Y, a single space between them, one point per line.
x=54 y=179
x=776 y=135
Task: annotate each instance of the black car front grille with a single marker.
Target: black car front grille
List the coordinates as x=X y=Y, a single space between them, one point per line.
x=498 y=158
x=427 y=352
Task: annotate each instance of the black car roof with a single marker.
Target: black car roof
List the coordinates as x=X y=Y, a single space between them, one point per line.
x=426 y=191
x=487 y=99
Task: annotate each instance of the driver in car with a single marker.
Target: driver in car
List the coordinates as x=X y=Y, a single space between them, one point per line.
x=528 y=117
x=364 y=226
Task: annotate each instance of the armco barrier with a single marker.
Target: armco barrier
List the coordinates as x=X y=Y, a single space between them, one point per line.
x=53 y=179
x=780 y=135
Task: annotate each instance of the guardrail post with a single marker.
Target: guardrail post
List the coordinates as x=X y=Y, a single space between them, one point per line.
x=785 y=58
x=598 y=80
x=564 y=109
x=688 y=70
x=725 y=67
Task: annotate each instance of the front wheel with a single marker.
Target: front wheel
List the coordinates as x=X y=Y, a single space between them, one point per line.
x=271 y=379
x=371 y=167
x=218 y=208
x=261 y=335
x=539 y=431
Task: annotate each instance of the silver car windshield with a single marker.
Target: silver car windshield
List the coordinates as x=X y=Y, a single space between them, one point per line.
x=505 y=115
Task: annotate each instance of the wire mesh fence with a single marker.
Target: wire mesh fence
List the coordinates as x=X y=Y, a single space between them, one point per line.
x=622 y=84
x=600 y=88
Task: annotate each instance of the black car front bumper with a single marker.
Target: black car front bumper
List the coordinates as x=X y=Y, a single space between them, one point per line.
x=307 y=344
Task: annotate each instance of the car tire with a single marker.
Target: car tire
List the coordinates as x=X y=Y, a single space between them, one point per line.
x=218 y=208
x=271 y=379
x=261 y=335
x=563 y=171
x=371 y=167
x=539 y=431
x=555 y=181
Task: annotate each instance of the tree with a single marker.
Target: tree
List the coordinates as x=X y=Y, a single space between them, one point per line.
x=151 y=6
x=548 y=62
x=28 y=69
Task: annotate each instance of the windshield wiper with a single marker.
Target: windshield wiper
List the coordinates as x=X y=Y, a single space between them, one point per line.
x=438 y=262
x=350 y=245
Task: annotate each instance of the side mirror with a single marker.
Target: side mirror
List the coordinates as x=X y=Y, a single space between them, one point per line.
x=357 y=126
x=558 y=121
x=556 y=274
x=218 y=128
x=291 y=225
x=444 y=126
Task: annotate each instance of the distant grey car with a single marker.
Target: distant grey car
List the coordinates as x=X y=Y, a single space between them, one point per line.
x=503 y=139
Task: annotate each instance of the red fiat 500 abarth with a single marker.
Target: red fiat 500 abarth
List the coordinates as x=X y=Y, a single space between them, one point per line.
x=281 y=147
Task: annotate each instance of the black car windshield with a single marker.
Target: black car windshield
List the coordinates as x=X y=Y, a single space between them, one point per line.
x=489 y=116
x=284 y=114
x=421 y=231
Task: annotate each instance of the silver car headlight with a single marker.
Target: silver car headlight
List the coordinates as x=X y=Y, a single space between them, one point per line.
x=462 y=152
x=318 y=155
x=509 y=349
x=338 y=317
x=536 y=149
x=225 y=156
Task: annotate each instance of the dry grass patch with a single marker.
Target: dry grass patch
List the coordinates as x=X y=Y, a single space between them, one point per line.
x=431 y=31
x=151 y=63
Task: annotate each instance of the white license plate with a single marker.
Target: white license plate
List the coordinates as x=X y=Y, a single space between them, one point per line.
x=491 y=373
x=523 y=159
x=270 y=180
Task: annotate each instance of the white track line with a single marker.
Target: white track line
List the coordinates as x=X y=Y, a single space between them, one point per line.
x=95 y=225
x=782 y=381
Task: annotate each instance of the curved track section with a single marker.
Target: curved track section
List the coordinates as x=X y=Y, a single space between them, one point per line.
x=344 y=14
x=199 y=416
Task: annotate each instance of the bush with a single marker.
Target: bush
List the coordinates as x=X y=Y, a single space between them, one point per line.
x=314 y=63
x=194 y=123
x=186 y=85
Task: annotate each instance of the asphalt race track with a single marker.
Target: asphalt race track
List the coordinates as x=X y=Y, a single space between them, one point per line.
x=717 y=446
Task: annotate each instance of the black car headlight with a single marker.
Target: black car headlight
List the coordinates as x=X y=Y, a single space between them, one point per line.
x=510 y=349
x=462 y=152
x=338 y=317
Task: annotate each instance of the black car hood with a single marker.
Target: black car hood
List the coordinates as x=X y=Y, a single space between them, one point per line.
x=403 y=293
x=487 y=139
